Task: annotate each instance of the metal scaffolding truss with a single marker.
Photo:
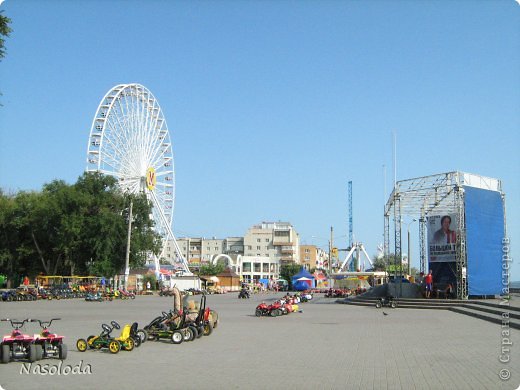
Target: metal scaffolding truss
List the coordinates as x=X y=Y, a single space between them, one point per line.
x=432 y=195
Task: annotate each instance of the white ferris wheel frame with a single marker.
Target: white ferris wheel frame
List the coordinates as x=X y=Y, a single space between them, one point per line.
x=129 y=139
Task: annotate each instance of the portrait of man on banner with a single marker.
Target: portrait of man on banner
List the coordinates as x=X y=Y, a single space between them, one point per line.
x=445 y=235
x=442 y=237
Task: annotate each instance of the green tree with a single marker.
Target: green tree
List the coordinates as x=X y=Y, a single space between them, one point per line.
x=5 y=31
x=212 y=269
x=9 y=237
x=287 y=271
x=74 y=229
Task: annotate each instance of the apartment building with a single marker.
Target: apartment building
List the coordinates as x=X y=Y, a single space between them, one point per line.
x=313 y=257
x=276 y=240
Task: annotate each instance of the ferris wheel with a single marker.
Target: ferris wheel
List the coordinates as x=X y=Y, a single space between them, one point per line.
x=129 y=140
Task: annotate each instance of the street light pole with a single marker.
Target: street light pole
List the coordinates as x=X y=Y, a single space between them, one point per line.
x=127 y=257
x=330 y=250
x=409 y=248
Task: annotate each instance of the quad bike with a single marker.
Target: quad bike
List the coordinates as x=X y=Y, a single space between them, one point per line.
x=51 y=344
x=386 y=301
x=274 y=310
x=104 y=340
x=18 y=346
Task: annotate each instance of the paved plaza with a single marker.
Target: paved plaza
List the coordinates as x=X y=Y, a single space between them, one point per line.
x=327 y=346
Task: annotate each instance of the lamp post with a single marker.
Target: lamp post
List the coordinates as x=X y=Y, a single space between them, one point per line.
x=409 y=249
x=127 y=257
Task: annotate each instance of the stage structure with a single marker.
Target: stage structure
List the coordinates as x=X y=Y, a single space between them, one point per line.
x=129 y=140
x=462 y=223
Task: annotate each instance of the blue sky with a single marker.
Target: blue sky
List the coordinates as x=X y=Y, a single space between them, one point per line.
x=273 y=106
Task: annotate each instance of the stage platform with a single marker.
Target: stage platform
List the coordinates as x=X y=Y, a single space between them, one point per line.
x=492 y=310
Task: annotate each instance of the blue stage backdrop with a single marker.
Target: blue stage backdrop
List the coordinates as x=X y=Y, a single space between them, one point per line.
x=484 y=233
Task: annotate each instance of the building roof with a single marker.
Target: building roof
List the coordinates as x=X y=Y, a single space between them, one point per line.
x=228 y=272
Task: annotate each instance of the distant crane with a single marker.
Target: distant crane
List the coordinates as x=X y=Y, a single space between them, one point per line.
x=350 y=217
x=350 y=224
x=355 y=249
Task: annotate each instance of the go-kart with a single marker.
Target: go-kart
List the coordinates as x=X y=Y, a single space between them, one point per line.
x=94 y=297
x=105 y=340
x=128 y=337
x=170 y=326
x=201 y=317
x=126 y=294
x=51 y=344
x=386 y=301
x=19 y=346
x=9 y=296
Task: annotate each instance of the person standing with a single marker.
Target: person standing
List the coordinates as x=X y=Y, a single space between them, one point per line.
x=429 y=284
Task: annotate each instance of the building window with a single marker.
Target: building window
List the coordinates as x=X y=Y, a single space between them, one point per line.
x=307 y=251
x=265 y=267
x=258 y=248
x=257 y=267
x=257 y=240
x=247 y=267
x=249 y=247
x=266 y=240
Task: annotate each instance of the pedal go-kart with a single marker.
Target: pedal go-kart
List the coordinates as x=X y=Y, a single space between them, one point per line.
x=170 y=326
x=105 y=340
x=51 y=344
x=19 y=346
x=94 y=297
x=201 y=317
x=386 y=301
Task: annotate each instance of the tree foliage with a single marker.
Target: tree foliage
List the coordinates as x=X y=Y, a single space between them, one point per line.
x=212 y=269
x=287 y=271
x=5 y=31
x=74 y=229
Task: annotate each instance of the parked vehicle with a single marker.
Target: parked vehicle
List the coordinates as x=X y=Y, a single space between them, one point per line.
x=94 y=297
x=386 y=301
x=200 y=316
x=9 y=296
x=51 y=343
x=274 y=310
x=19 y=346
x=104 y=340
x=170 y=326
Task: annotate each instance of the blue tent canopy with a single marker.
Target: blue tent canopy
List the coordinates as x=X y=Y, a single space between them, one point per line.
x=303 y=274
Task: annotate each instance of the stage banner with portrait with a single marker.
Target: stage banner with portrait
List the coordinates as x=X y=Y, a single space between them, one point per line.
x=442 y=237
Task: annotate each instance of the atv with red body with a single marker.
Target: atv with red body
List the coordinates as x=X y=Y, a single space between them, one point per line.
x=19 y=346
x=51 y=343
